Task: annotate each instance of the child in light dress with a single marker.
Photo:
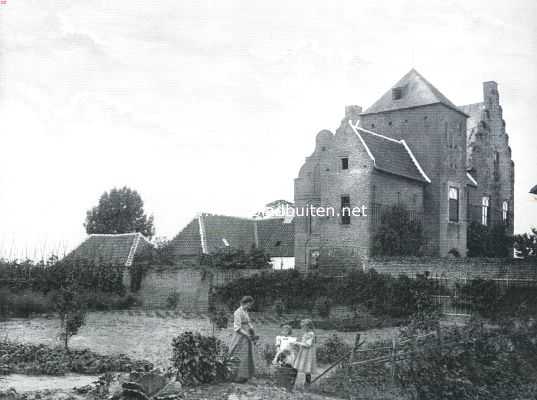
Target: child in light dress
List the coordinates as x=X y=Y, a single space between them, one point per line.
x=285 y=351
x=306 y=359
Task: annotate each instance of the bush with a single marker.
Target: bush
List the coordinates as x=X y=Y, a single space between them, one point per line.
x=198 y=359
x=332 y=349
x=279 y=307
x=526 y=244
x=485 y=241
x=379 y=294
x=23 y=304
x=173 y=300
x=398 y=234
x=322 y=306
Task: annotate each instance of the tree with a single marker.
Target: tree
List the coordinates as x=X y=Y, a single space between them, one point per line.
x=71 y=311
x=119 y=211
x=398 y=234
x=526 y=244
x=484 y=241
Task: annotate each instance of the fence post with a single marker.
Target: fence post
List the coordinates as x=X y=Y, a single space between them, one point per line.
x=394 y=354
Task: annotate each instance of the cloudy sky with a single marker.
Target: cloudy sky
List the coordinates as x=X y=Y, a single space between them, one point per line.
x=213 y=105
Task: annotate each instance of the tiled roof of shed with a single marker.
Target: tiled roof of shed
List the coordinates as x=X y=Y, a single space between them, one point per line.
x=218 y=231
x=390 y=155
x=113 y=249
x=276 y=237
x=415 y=91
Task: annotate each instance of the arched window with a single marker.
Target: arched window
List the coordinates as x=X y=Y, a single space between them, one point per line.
x=505 y=210
x=453 y=204
x=485 y=205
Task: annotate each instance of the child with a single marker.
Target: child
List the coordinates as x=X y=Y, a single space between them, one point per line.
x=285 y=353
x=306 y=359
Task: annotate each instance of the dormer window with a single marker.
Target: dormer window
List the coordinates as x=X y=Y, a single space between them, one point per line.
x=397 y=93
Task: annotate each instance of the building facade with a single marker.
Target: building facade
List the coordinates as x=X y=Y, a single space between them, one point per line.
x=415 y=148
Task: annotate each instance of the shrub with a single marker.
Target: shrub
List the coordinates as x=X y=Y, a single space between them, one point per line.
x=485 y=241
x=23 y=304
x=173 y=300
x=279 y=307
x=398 y=234
x=71 y=311
x=198 y=359
x=322 y=306
x=332 y=349
x=526 y=244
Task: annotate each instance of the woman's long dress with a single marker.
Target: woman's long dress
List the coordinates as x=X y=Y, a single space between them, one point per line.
x=241 y=346
x=306 y=359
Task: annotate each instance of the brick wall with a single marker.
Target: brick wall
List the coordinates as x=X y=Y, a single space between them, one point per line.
x=455 y=268
x=192 y=284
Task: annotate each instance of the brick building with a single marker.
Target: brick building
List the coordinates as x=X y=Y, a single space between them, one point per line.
x=446 y=165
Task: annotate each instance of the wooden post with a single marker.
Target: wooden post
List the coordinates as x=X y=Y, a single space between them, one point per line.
x=394 y=353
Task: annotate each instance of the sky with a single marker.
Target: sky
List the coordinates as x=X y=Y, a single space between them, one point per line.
x=213 y=105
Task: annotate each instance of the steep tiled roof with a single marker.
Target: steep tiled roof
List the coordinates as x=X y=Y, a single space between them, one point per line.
x=208 y=233
x=534 y=190
x=236 y=232
x=390 y=155
x=117 y=249
x=276 y=237
x=415 y=91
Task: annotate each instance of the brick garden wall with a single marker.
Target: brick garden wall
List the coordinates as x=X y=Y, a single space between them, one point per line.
x=192 y=284
x=455 y=268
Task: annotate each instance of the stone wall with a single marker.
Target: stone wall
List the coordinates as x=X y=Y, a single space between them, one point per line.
x=455 y=268
x=192 y=285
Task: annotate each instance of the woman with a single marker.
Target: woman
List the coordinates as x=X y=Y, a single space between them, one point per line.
x=242 y=341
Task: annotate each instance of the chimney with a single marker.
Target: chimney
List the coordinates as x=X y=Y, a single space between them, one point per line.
x=352 y=113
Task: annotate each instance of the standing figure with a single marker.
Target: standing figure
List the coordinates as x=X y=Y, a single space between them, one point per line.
x=241 y=345
x=306 y=359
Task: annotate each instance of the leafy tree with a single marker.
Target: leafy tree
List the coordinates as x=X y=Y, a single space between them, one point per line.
x=526 y=244
x=71 y=311
x=484 y=241
x=119 y=211
x=398 y=234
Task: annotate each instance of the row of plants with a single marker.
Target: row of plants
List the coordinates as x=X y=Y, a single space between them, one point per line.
x=288 y=290
x=25 y=303
x=30 y=359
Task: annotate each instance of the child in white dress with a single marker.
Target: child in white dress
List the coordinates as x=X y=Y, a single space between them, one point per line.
x=285 y=351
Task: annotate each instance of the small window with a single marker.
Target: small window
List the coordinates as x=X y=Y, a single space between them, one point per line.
x=390 y=123
x=323 y=148
x=345 y=163
x=345 y=210
x=485 y=204
x=397 y=93
x=372 y=125
x=505 y=210
x=453 y=204
x=398 y=197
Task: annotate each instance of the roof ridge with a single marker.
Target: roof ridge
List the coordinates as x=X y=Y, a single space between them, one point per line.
x=367 y=149
x=415 y=161
x=378 y=134
x=114 y=234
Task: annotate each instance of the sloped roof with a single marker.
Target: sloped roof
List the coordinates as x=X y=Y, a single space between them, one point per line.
x=534 y=190
x=470 y=180
x=276 y=237
x=416 y=91
x=207 y=233
x=113 y=249
x=221 y=229
x=390 y=155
